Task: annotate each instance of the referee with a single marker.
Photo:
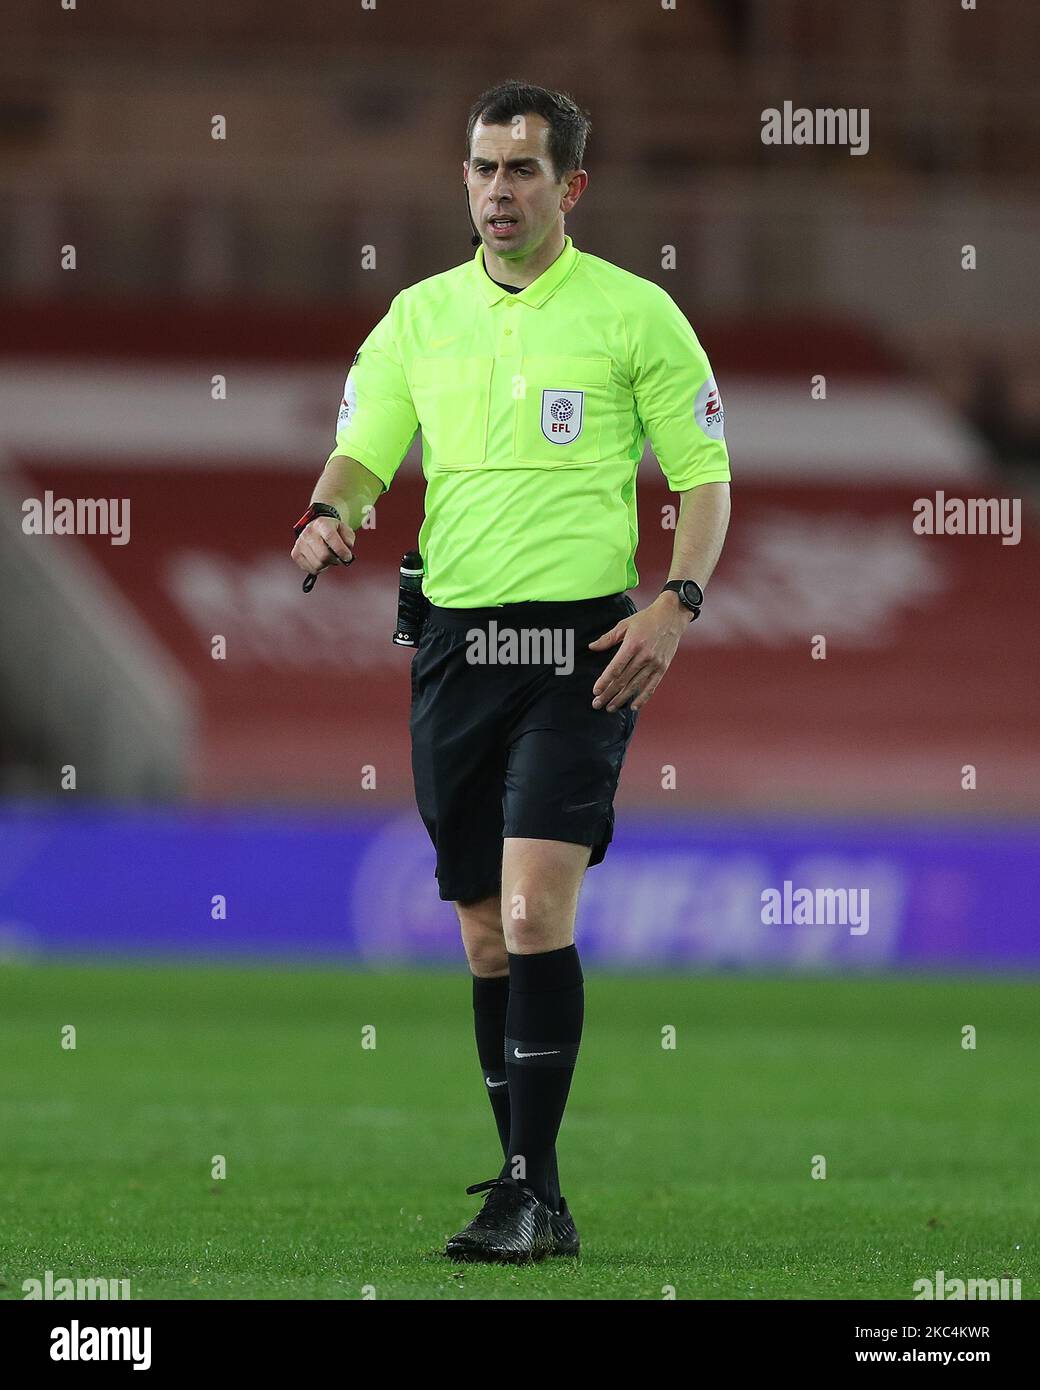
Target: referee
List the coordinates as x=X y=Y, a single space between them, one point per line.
x=535 y=373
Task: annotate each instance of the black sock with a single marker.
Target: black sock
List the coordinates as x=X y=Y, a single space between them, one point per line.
x=490 y=1000
x=543 y=1030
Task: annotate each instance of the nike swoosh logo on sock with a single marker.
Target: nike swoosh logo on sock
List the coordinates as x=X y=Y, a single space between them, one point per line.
x=555 y=1053
x=495 y=1083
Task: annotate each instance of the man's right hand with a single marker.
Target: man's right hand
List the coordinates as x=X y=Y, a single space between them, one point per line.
x=323 y=542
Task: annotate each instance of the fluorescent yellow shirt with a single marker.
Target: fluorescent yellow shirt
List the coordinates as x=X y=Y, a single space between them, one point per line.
x=534 y=408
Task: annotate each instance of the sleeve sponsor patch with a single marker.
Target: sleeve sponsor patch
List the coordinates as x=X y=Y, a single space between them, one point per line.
x=348 y=405
x=708 y=411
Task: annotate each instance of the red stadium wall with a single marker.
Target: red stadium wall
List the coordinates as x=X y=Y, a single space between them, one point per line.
x=923 y=671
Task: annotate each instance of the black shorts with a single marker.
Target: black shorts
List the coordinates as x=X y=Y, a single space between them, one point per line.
x=505 y=741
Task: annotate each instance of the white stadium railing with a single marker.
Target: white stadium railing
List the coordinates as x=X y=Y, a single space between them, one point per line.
x=125 y=720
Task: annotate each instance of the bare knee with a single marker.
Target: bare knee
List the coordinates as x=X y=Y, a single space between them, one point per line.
x=541 y=883
x=482 y=936
x=538 y=919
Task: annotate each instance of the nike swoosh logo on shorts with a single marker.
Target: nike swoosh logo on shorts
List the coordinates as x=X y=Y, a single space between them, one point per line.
x=495 y=1083
x=555 y=1053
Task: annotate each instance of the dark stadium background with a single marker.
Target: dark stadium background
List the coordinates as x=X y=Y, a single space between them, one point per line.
x=906 y=763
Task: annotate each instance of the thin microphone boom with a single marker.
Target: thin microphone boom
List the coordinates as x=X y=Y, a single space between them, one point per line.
x=476 y=234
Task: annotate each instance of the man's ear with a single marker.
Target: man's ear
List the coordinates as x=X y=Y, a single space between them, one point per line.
x=576 y=185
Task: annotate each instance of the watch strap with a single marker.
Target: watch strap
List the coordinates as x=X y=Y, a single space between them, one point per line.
x=676 y=587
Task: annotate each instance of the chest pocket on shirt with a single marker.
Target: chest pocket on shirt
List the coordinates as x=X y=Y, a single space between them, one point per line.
x=559 y=419
x=451 y=396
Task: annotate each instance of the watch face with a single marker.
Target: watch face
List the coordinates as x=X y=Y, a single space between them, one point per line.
x=692 y=593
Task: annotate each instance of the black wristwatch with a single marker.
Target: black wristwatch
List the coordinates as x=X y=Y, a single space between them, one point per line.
x=314 y=510
x=690 y=593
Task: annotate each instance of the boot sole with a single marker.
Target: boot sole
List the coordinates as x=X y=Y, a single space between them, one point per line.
x=496 y=1257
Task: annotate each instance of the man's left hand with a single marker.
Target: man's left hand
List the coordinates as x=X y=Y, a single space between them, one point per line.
x=649 y=640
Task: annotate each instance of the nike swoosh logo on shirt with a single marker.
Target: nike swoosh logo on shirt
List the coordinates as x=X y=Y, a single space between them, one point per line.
x=443 y=342
x=555 y=1053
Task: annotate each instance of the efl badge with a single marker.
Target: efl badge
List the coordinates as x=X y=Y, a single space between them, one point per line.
x=562 y=415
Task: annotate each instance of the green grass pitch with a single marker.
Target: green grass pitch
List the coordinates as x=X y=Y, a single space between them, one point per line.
x=687 y=1168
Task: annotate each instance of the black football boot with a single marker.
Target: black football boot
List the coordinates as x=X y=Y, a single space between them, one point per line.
x=513 y=1226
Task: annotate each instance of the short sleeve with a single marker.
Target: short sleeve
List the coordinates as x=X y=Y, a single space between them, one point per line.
x=377 y=420
x=677 y=396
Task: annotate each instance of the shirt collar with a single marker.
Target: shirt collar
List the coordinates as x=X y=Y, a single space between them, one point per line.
x=538 y=291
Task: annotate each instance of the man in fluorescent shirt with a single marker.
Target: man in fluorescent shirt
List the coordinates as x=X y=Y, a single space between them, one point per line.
x=535 y=372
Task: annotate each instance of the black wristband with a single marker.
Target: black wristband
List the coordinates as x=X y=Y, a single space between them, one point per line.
x=316 y=509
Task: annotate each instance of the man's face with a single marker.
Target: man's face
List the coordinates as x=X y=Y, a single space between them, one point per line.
x=514 y=195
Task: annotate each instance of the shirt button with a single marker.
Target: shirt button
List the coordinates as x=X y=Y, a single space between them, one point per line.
x=506 y=332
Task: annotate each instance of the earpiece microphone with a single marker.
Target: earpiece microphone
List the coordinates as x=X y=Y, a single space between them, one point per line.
x=476 y=234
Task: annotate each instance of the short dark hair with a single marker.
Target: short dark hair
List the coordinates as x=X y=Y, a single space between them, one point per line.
x=569 y=125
